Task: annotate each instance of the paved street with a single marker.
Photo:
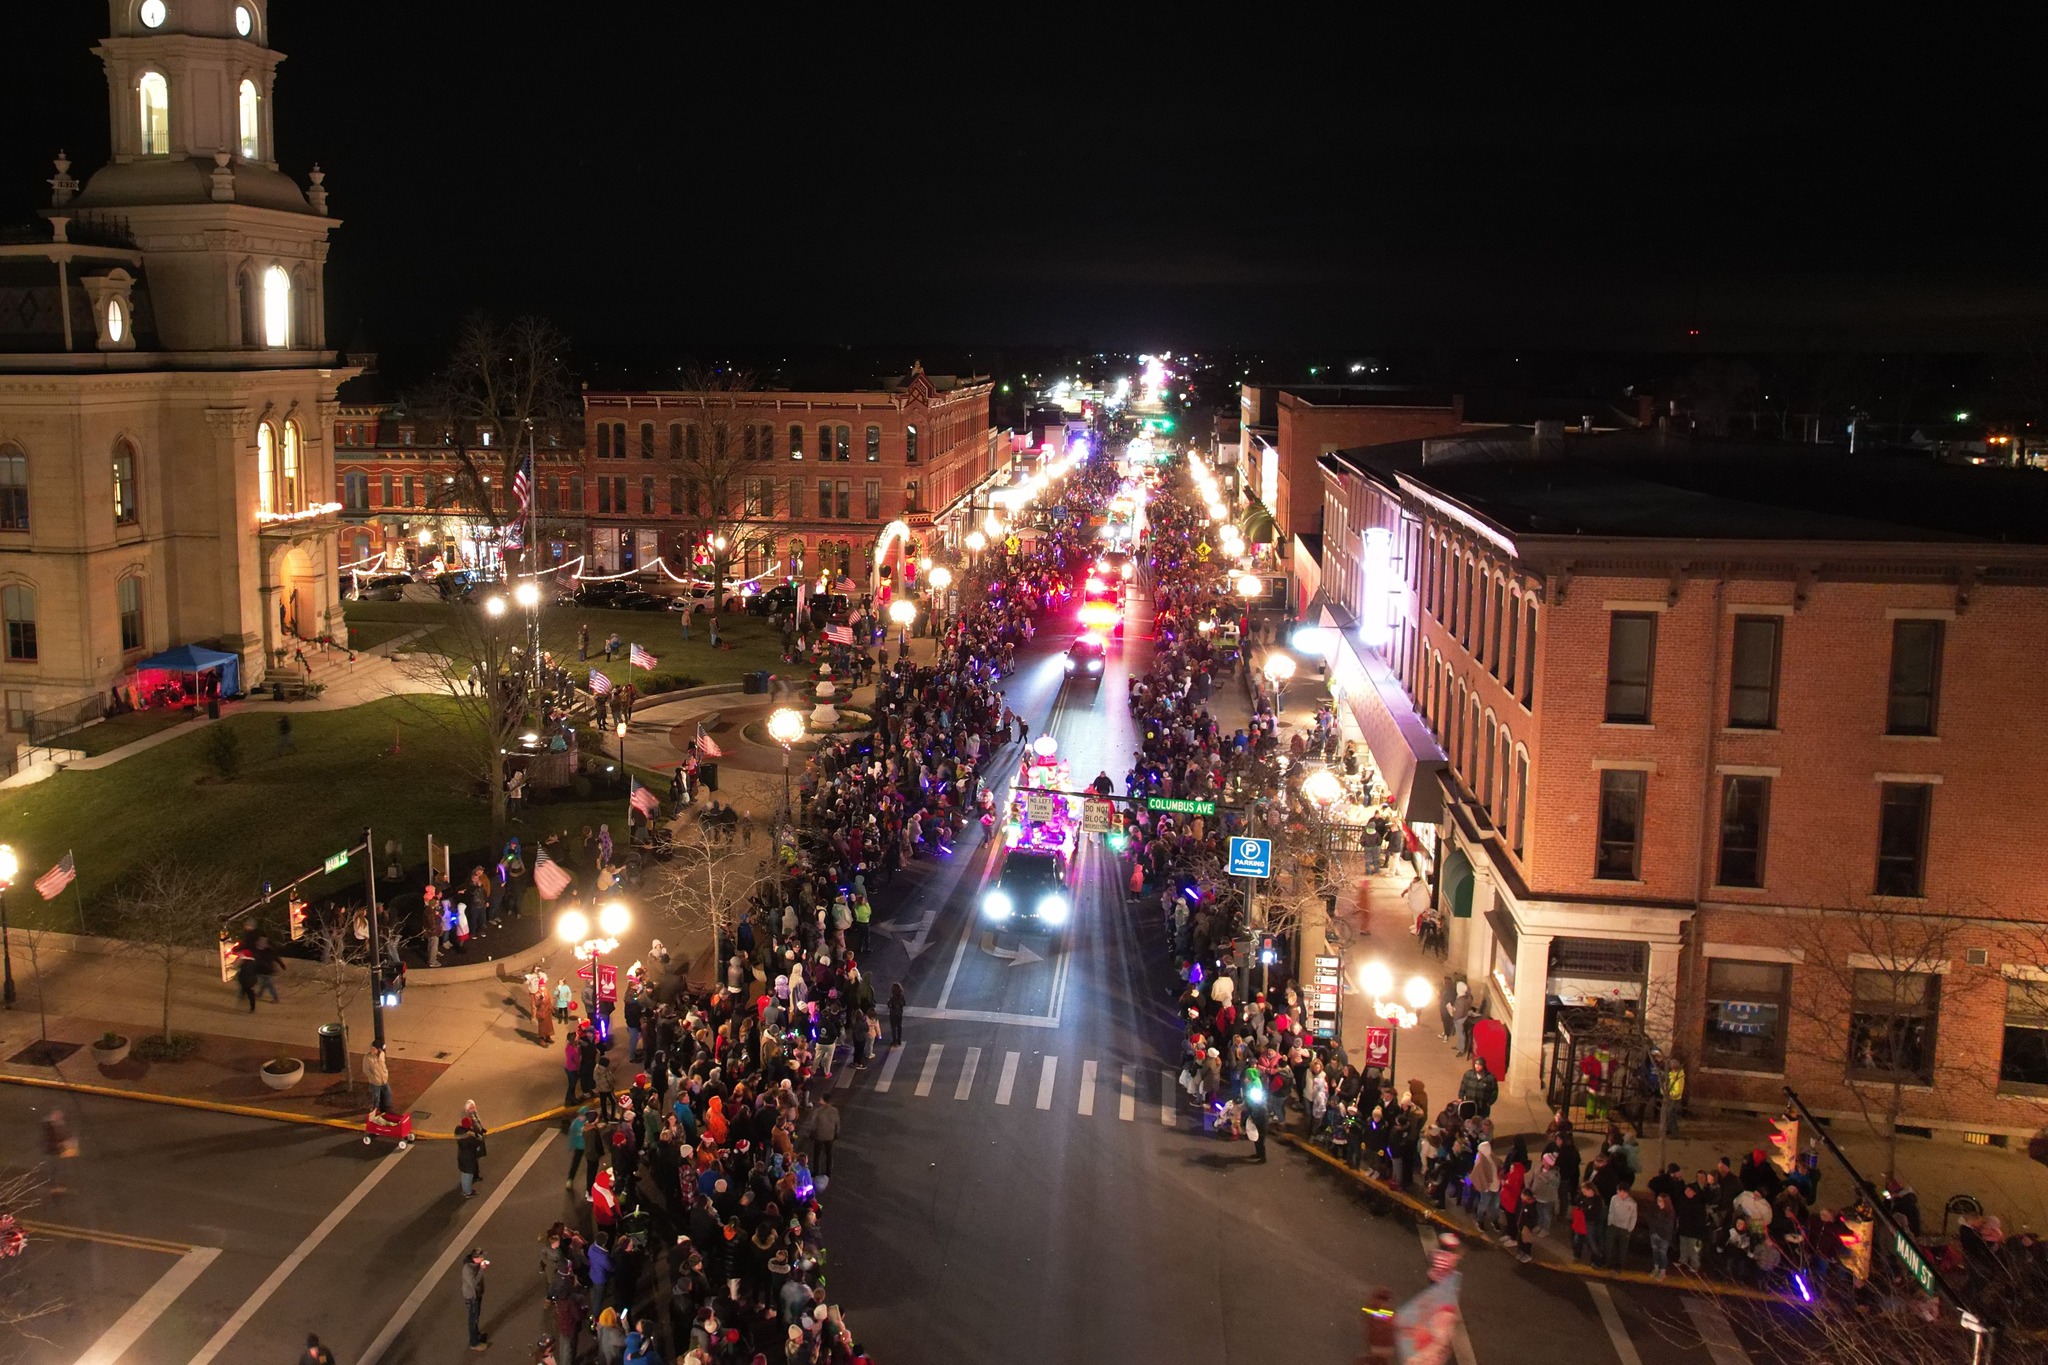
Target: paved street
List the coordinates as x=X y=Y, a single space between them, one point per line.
x=1026 y=1146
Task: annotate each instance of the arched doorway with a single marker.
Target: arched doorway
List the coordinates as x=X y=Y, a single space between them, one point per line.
x=300 y=600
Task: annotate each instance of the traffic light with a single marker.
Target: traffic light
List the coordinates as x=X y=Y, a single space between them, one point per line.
x=1785 y=1143
x=296 y=910
x=1856 y=1233
x=389 y=984
x=1267 y=955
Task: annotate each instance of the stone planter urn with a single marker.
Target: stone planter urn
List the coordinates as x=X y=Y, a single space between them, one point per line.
x=282 y=1073
x=111 y=1049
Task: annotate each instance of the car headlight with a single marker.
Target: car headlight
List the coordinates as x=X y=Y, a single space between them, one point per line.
x=1053 y=909
x=996 y=904
x=1070 y=665
x=1095 y=665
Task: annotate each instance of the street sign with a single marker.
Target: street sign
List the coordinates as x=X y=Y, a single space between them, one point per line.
x=1251 y=857
x=1095 y=817
x=1202 y=550
x=1179 y=806
x=1038 y=805
x=607 y=980
x=336 y=863
x=1379 y=1046
x=1910 y=1258
x=1012 y=544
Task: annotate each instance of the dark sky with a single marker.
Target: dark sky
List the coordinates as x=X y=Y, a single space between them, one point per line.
x=1247 y=176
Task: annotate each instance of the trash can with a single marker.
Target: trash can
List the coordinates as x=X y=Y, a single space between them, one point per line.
x=707 y=773
x=333 y=1049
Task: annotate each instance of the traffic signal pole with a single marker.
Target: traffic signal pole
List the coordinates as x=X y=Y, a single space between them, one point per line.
x=1984 y=1333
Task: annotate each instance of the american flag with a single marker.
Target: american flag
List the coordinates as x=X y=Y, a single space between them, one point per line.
x=599 y=684
x=522 y=486
x=645 y=801
x=839 y=635
x=640 y=658
x=57 y=878
x=708 y=746
x=549 y=876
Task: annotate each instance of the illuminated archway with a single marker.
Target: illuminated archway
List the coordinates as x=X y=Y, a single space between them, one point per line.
x=895 y=538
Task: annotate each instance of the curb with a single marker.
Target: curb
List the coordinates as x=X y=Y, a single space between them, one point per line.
x=253 y=1111
x=1431 y=1214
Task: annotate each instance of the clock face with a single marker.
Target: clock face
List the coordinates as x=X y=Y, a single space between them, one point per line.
x=152 y=13
x=243 y=23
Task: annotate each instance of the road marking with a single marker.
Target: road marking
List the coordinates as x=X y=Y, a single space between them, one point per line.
x=889 y=1071
x=987 y=1016
x=116 y=1340
x=305 y=1248
x=1088 y=1089
x=844 y=1078
x=1610 y=1318
x=966 y=1086
x=111 y=1239
x=1127 y=1103
x=1715 y=1330
x=1461 y=1340
x=1008 y=1080
x=931 y=1069
x=1169 y=1099
x=1045 y=1078
x=457 y=1244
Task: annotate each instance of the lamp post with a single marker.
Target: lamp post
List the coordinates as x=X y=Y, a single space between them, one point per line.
x=975 y=542
x=1279 y=668
x=940 y=579
x=785 y=727
x=10 y=867
x=1377 y=981
x=573 y=927
x=902 y=611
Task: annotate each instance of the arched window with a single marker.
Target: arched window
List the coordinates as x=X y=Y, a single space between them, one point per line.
x=18 y=610
x=252 y=309
x=266 y=468
x=128 y=596
x=796 y=441
x=277 y=307
x=1485 y=785
x=288 y=471
x=302 y=332
x=125 y=510
x=251 y=128
x=13 y=489
x=874 y=444
x=154 y=94
x=910 y=445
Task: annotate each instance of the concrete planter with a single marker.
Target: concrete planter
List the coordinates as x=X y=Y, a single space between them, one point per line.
x=282 y=1073
x=111 y=1050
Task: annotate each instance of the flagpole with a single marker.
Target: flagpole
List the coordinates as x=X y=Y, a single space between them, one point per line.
x=76 y=894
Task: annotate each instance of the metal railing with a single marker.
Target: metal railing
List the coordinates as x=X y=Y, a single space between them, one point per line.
x=44 y=726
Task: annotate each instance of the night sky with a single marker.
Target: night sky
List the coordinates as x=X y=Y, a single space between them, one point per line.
x=1000 y=176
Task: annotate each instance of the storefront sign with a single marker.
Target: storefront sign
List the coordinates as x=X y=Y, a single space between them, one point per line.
x=1178 y=806
x=1379 y=1046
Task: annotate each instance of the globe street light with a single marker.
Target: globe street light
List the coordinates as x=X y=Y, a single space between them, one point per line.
x=10 y=867
x=940 y=578
x=975 y=542
x=1323 y=787
x=786 y=727
x=1376 y=979
x=1248 y=586
x=902 y=611
x=527 y=594
x=494 y=606
x=591 y=943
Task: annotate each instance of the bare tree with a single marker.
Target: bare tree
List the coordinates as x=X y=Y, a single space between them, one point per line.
x=504 y=392
x=728 y=481
x=19 y=1306
x=168 y=910
x=706 y=885
x=343 y=969
x=479 y=686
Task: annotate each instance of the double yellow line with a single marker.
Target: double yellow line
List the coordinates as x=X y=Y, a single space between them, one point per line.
x=110 y=1239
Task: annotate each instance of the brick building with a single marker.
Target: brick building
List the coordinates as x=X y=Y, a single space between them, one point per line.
x=1738 y=737
x=836 y=481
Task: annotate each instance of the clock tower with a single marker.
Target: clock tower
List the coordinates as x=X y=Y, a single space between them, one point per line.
x=166 y=391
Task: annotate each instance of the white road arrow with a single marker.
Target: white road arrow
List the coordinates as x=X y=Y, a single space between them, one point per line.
x=1016 y=957
x=915 y=938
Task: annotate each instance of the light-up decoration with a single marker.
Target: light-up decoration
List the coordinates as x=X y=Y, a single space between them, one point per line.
x=318 y=509
x=1379 y=605
x=1310 y=639
x=1045 y=746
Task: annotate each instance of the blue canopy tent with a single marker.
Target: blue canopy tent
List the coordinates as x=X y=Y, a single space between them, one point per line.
x=188 y=661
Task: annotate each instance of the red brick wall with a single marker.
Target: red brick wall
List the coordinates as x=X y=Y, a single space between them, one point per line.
x=1307 y=432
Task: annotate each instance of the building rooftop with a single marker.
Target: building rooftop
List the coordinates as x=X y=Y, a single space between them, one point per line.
x=1661 y=485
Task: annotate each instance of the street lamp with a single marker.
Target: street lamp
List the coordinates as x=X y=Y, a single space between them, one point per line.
x=993 y=524
x=786 y=727
x=975 y=542
x=902 y=611
x=1248 y=586
x=1323 y=787
x=494 y=605
x=940 y=578
x=1279 y=668
x=1376 y=979
x=527 y=594
x=10 y=866
x=573 y=927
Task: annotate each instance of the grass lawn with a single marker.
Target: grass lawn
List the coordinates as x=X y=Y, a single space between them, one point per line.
x=365 y=634
x=110 y=734
x=280 y=818
x=748 y=644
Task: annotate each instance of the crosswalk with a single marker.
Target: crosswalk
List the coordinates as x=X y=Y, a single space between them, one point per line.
x=1133 y=1087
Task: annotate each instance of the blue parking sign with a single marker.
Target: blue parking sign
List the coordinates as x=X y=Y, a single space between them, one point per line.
x=1251 y=857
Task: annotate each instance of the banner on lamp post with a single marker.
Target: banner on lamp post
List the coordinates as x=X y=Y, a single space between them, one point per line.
x=1379 y=1046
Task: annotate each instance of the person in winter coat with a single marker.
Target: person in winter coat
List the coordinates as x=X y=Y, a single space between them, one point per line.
x=1661 y=1223
x=1478 y=1087
x=1512 y=1181
x=896 y=1007
x=1621 y=1228
x=572 y=1064
x=473 y=1267
x=1484 y=1183
x=611 y=1336
x=579 y=1148
x=377 y=1072
x=1694 y=1226
x=1541 y=1190
x=469 y=1151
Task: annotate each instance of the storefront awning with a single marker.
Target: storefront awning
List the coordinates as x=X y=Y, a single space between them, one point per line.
x=1399 y=738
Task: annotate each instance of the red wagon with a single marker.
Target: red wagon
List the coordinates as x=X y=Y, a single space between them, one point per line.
x=379 y=1125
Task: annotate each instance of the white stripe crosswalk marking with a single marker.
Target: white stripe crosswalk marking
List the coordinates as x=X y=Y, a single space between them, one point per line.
x=1610 y=1318
x=1087 y=1109
x=931 y=1070
x=966 y=1086
x=1008 y=1080
x=1127 y=1097
x=1046 y=1073
x=1169 y=1098
x=1715 y=1330
x=844 y=1078
x=889 y=1071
